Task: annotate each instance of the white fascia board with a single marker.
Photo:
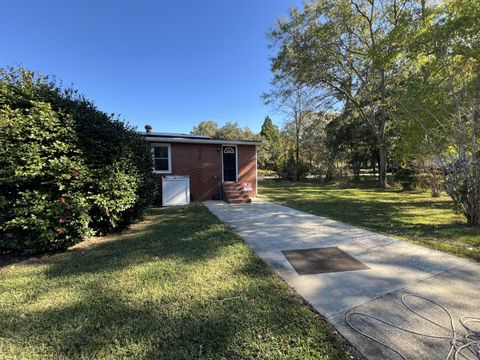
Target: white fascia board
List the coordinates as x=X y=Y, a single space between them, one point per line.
x=200 y=141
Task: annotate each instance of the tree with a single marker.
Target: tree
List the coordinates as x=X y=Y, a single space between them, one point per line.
x=313 y=149
x=206 y=128
x=229 y=131
x=348 y=49
x=351 y=140
x=271 y=153
x=296 y=103
x=441 y=99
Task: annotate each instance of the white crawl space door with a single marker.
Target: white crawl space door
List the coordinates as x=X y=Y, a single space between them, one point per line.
x=175 y=190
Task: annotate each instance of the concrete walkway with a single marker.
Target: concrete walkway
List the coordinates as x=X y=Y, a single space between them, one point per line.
x=396 y=268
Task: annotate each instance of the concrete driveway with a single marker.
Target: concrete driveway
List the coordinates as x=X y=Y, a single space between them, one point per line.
x=396 y=268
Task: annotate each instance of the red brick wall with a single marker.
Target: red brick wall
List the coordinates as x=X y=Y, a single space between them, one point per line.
x=247 y=167
x=203 y=163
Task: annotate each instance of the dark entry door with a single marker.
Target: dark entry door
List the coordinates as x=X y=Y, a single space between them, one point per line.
x=229 y=163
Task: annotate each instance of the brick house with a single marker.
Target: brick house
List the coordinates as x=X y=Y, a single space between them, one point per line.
x=217 y=169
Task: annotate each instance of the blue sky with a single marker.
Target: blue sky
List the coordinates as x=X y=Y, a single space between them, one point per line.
x=170 y=63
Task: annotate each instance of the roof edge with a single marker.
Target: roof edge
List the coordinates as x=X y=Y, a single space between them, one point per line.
x=174 y=135
x=200 y=140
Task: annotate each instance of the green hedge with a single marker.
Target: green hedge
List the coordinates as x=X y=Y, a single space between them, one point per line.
x=67 y=169
x=410 y=179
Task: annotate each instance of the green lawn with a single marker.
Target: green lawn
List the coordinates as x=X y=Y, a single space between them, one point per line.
x=413 y=216
x=180 y=285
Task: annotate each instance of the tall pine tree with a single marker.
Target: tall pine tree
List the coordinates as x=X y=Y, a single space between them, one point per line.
x=271 y=155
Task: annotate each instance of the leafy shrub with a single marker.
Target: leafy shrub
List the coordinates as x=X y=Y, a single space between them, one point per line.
x=293 y=173
x=408 y=178
x=463 y=185
x=66 y=168
x=115 y=192
x=43 y=207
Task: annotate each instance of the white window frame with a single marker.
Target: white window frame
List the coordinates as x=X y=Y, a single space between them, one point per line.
x=169 y=147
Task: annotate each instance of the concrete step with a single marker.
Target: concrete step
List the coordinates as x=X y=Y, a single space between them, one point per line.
x=233 y=193
x=238 y=201
x=233 y=187
x=237 y=197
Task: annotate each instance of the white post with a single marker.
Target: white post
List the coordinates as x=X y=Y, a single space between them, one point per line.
x=256 y=172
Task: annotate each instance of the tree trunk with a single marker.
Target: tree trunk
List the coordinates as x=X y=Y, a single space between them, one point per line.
x=474 y=219
x=356 y=170
x=374 y=160
x=382 y=151
x=297 y=152
x=434 y=184
x=330 y=170
x=382 y=164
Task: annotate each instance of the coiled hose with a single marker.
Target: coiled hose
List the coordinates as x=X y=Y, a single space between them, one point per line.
x=461 y=342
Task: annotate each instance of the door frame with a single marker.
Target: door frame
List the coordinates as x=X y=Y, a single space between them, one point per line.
x=236 y=161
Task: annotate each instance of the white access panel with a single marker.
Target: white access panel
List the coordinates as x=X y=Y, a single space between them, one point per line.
x=175 y=190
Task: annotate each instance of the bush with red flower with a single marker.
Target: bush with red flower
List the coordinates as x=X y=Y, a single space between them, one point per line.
x=67 y=169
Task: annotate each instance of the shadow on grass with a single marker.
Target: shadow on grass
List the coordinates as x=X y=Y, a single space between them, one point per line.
x=411 y=215
x=245 y=325
x=7 y=259
x=181 y=287
x=170 y=233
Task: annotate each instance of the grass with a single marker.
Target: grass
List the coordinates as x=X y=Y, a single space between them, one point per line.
x=180 y=285
x=412 y=216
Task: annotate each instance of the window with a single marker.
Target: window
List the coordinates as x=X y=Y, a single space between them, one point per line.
x=162 y=158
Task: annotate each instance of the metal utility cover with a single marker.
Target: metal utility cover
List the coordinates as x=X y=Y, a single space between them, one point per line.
x=322 y=260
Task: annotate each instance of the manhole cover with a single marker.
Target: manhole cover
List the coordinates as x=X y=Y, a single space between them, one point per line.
x=322 y=260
